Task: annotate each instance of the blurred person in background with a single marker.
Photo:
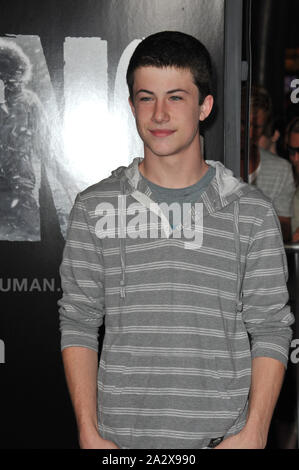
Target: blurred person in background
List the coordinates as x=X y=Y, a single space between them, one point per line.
x=270 y=173
x=271 y=137
x=293 y=149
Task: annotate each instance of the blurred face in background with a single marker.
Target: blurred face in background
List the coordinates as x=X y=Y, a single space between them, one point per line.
x=258 y=119
x=293 y=147
x=269 y=143
x=265 y=142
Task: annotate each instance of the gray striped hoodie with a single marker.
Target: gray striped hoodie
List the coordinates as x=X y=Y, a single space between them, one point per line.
x=182 y=321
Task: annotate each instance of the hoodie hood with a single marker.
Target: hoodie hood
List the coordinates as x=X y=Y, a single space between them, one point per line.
x=226 y=186
x=223 y=190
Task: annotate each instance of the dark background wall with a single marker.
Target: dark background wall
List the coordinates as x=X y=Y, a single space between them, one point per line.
x=274 y=30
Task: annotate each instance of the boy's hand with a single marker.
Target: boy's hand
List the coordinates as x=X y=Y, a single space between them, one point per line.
x=95 y=441
x=242 y=440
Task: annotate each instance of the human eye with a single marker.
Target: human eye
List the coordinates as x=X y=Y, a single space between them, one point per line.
x=145 y=98
x=176 y=98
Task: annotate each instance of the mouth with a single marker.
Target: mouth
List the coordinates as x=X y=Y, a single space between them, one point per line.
x=161 y=132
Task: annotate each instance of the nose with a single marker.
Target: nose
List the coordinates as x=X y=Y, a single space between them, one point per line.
x=160 y=112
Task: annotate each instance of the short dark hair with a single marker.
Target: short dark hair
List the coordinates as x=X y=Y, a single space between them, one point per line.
x=173 y=49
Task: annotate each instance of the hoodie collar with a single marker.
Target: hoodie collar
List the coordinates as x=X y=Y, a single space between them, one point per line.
x=223 y=189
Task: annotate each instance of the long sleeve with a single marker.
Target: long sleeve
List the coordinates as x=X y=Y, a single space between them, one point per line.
x=82 y=304
x=265 y=296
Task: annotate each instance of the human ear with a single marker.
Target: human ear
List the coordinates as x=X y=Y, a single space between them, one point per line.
x=275 y=136
x=206 y=107
x=132 y=106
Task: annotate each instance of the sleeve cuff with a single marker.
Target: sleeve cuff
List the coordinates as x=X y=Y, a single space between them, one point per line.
x=267 y=349
x=75 y=338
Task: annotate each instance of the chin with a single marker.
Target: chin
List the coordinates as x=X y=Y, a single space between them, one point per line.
x=162 y=152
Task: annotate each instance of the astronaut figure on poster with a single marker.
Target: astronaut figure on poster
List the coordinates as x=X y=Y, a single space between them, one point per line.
x=25 y=149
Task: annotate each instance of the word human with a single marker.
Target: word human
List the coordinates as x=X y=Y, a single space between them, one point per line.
x=27 y=285
x=139 y=226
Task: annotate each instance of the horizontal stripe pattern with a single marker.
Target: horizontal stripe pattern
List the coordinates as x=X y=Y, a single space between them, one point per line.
x=176 y=370
x=159 y=391
x=190 y=414
x=173 y=330
x=158 y=265
x=179 y=352
x=163 y=308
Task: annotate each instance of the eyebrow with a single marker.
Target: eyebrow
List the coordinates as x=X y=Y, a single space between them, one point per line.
x=144 y=91
x=168 y=92
x=176 y=90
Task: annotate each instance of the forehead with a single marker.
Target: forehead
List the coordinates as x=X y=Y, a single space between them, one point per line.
x=294 y=139
x=257 y=115
x=166 y=78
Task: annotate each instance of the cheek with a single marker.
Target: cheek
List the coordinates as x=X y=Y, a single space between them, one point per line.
x=260 y=133
x=191 y=119
x=140 y=117
x=255 y=134
x=143 y=114
x=263 y=141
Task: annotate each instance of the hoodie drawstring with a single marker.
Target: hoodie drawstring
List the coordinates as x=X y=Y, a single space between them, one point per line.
x=122 y=239
x=239 y=303
x=227 y=185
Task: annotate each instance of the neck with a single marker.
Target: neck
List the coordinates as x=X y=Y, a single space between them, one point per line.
x=254 y=160
x=174 y=171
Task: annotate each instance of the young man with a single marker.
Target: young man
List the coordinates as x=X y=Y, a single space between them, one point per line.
x=177 y=367
x=270 y=173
